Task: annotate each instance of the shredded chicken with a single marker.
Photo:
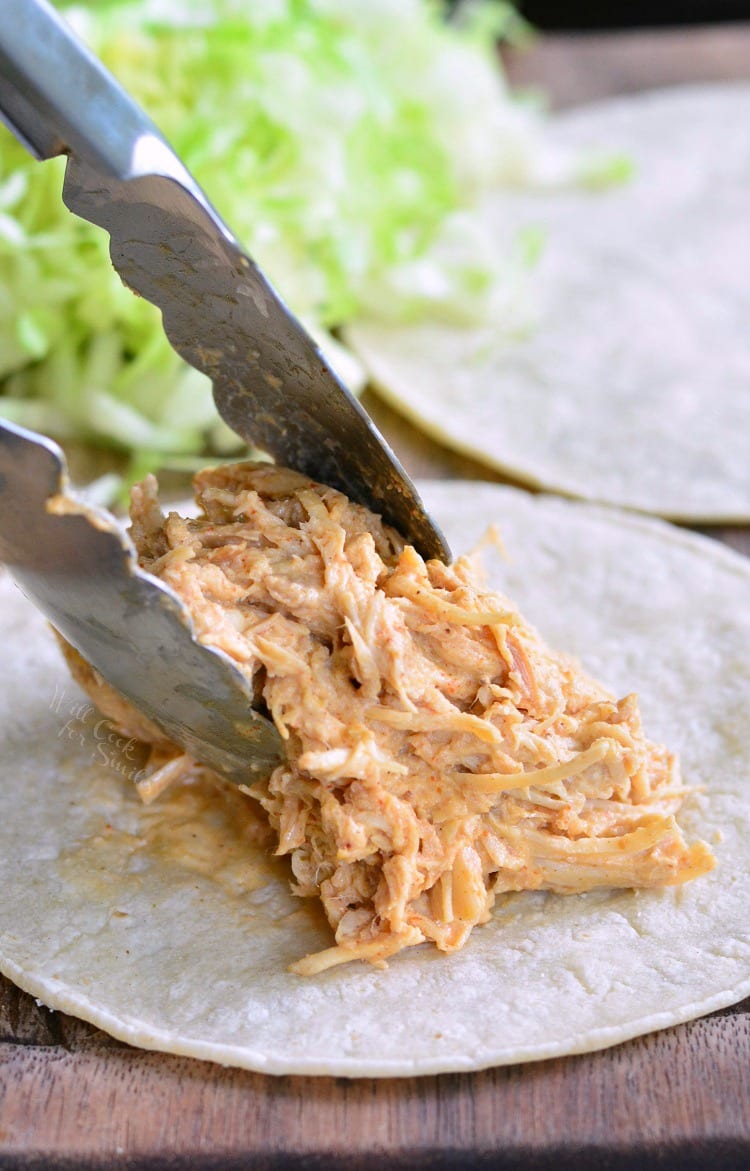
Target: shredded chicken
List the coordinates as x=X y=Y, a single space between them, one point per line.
x=438 y=753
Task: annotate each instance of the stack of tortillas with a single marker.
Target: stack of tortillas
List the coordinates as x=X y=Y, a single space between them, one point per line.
x=632 y=386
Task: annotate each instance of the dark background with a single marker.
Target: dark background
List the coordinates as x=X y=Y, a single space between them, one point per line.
x=581 y=14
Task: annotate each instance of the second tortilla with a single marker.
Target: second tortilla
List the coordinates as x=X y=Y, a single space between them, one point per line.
x=630 y=387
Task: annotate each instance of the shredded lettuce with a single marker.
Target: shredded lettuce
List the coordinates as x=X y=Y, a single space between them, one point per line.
x=345 y=143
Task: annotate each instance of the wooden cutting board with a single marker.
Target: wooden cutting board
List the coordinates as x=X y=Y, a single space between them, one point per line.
x=72 y=1097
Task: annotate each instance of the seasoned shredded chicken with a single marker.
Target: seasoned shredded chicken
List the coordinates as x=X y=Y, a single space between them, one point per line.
x=437 y=751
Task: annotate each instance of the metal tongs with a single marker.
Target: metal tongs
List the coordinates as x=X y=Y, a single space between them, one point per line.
x=271 y=385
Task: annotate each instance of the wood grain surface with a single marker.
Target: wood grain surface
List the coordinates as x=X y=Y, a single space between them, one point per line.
x=72 y=1097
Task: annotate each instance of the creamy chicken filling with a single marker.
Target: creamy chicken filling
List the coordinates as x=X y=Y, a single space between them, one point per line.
x=438 y=753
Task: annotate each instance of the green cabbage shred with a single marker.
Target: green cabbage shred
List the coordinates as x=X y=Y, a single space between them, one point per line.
x=345 y=143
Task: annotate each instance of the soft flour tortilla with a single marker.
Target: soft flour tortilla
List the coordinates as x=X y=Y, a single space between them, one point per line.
x=631 y=386
x=167 y=927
